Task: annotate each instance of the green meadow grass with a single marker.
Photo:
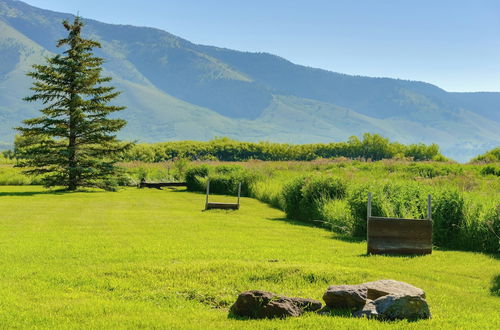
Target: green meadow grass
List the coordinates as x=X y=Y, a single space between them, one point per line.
x=152 y=259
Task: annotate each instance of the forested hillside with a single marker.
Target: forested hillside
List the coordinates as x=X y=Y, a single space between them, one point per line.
x=175 y=89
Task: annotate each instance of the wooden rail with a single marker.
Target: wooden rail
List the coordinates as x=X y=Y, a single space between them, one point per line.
x=399 y=236
x=159 y=185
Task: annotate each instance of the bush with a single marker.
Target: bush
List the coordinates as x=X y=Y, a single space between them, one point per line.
x=337 y=216
x=491 y=170
x=480 y=230
x=193 y=175
x=448 y=216
x=304 y=196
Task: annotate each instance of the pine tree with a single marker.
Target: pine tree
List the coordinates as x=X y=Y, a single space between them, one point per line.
x=73 y=142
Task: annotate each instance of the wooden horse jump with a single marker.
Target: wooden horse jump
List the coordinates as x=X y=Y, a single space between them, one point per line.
x=159 y=185
x=224 y=206
x=399 y=236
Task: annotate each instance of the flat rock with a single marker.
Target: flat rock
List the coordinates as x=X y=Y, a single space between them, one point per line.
x=345 y=296
x=382 y=288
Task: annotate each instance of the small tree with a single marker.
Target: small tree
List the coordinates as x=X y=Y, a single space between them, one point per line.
x=73 y=143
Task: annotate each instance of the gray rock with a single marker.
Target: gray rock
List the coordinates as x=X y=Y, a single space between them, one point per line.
x=369 y=310
x=397 y=307
x=280 y=308
x=382 y=288
x=345 y=296
x=250 y=303
x=307 y=305
x=262 y=304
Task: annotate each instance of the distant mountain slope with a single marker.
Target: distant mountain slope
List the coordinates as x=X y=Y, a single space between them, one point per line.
x=175 y=89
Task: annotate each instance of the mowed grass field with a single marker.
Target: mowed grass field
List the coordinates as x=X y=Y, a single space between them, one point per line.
x=152 y=259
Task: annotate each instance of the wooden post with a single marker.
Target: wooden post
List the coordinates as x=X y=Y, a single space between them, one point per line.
x=369 y=207
x=208 y=191
x=429 y=207
x=368 y=215
x=239 y=193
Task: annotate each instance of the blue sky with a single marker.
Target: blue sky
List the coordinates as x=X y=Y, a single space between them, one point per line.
x=453 y=44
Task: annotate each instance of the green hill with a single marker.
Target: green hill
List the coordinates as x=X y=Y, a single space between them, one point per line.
x=175 y=89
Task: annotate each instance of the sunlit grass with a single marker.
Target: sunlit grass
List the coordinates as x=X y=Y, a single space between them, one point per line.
x=150 y=258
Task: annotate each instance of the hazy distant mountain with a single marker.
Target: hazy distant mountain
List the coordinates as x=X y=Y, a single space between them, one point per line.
x=175 y=89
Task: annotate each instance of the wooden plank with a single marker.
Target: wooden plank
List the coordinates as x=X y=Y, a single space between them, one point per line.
x=408 y=228
x=159 y=185
x=225 y=206
x=399 y=236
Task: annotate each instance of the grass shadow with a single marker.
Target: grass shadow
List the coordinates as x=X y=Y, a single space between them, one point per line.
x=495 y=286
x=296 y=222
x=32 y=193
x=44 y=192
x=398 y=255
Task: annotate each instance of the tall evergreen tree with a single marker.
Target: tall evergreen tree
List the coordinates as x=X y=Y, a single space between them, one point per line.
x=73 y=142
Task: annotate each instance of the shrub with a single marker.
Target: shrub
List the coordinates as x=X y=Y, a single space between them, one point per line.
x=193 y=175
x=448 y=216
x=491 y=170
x=337 y=215
x=305 y=195
x=292 y=196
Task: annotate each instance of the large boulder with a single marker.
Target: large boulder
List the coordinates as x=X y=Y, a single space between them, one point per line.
x=382 y=288
x=384 y=299
x=345 y=296
x=396 y=307
x=262 y=304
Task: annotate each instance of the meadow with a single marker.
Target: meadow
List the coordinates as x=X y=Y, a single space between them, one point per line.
x=149 y=258
x=333 y=192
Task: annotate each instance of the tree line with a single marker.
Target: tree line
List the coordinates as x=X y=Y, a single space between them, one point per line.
x=369 y=147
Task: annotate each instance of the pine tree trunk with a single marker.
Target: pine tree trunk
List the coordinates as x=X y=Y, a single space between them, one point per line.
x=72 y=161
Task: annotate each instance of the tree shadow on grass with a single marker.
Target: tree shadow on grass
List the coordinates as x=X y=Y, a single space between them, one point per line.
x=44 y=192
x=495 y=286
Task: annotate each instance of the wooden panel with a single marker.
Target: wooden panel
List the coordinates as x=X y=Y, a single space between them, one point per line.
x=399 y=236
x=158 y=185
x=227 y=206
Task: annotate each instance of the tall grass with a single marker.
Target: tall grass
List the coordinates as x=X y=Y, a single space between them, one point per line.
x=466 y=211
x=333 y=193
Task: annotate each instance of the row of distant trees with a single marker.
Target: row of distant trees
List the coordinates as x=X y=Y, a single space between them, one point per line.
x=371 y=146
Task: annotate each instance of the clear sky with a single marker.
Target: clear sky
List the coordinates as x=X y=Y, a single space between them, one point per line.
x=454 y=44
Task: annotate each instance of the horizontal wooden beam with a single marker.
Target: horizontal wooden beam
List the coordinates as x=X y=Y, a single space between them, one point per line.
x=225 y=206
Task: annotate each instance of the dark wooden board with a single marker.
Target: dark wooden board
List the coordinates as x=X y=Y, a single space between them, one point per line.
x=225 y=206
x=399 y=236
x=159 y=185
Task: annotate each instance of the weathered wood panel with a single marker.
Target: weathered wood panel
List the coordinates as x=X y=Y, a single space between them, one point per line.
x=159 y=185
x=399 y=236
x=225 y=206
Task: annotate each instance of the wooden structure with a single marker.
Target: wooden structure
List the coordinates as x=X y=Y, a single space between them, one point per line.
x=159 y=185
x=224 y=206
x=399 y=236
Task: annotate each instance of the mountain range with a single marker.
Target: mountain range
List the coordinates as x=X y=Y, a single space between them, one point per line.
x=175 y=89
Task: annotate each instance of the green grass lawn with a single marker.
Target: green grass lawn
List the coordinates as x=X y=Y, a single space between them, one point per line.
x=150 y=258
